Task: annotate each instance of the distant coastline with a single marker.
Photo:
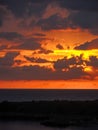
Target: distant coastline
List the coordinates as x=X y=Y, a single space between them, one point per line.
x=52 y=113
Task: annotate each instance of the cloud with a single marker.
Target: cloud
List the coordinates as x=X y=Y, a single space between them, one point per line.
x=66 y=63
x=84 y=20
x=8 y=59
x=83 y=5
x=4 y=14
x=2 y=47
x=18 y=8
x=81 y=19
x=25 y=8
x=29 y=44
x=88 y=45
x=25 y=73
x=0 y=22
x=39 y=34
x=25 y=12
x=74 y=67
x=53 y=22
x=11 y=36
x=59 y=46
x=22 y=42
x=61 y=64
x=93 y=61
x=31 y=14
x=36 y=60
x=76 y=73
x=18 y=62
x=65 y=69
x=39 y=73
x=44 y=51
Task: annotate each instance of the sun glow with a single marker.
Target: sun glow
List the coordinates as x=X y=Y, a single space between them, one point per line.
x=60 y=84
x=54 y=56
x=88 y=69
x=70 y=53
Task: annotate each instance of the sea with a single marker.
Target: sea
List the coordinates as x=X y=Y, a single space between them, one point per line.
x=22 y=125
x=41 y=94
x=47 y=94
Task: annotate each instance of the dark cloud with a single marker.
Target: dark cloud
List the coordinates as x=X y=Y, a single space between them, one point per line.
x=39 y=34
x=0 y=22
x=39 y=73
x=72 y=68
x=53 y=22
x=25 y=8
x=36 y=60
x=75 y=73
x=65 y=69
x=11 y=36
x=17 y=7
x=83 y=5
x=4 y=14
x=81 y=19
x=93 y=61
x=18 y=62
x=88 y=45
x=3 y=47
x=26 y=11
x=44 y=51
x=82 y=14
x=59 y=46
x=22 y=42
x=30 y=44
x=82 y=46
x=25 y=73
x=84 y=20
x=38 y=6
x=61 y=64
x=66 y=63
x=8 y=59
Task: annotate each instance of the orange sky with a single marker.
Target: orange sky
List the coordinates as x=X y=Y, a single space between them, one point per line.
x=67 y=38
x=61 y=84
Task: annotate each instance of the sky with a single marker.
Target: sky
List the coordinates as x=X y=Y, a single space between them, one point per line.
x=49 y=44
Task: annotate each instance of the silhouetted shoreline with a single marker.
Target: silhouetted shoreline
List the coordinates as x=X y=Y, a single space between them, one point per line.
x=52 y=113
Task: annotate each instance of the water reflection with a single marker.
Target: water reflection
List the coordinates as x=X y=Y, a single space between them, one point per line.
x=24 y=126
x=15 y=125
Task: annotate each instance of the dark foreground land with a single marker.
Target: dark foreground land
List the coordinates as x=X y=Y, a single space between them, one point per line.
x=52 y=113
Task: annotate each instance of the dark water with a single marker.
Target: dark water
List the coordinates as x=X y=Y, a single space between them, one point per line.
x=29 y=95
x=36 y=126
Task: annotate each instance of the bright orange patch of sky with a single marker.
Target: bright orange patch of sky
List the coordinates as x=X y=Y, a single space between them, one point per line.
x=60 y=84
x=67 y=38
